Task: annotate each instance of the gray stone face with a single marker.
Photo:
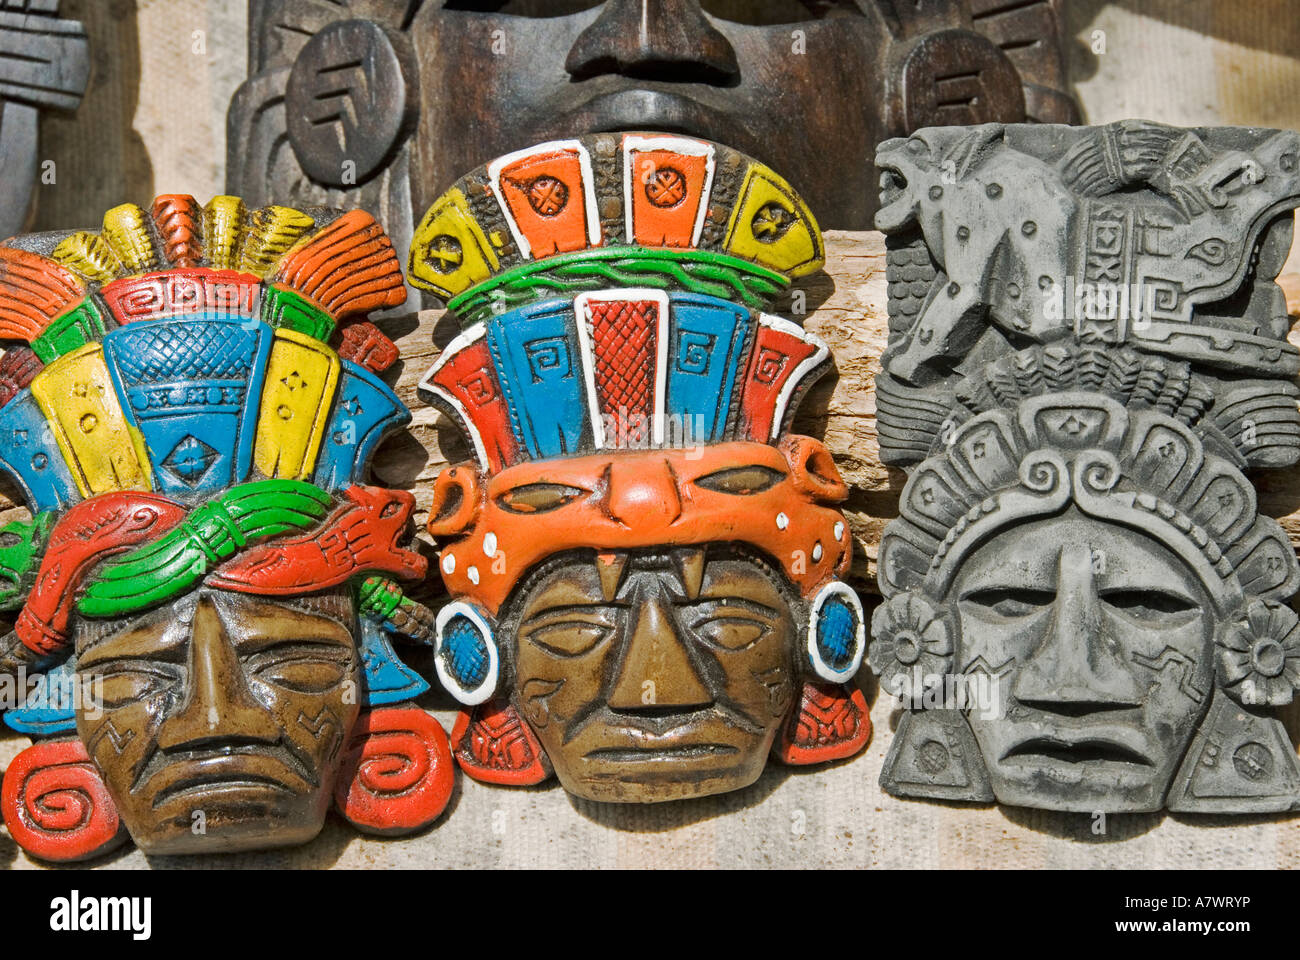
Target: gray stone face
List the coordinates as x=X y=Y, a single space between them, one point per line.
x=1084 y=610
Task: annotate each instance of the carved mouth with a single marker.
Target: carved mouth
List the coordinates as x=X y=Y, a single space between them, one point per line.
x=677 y=754
x=208 y=785
x=644 y=108
x=1085 y=750
x=246 y=770
x=892 y=184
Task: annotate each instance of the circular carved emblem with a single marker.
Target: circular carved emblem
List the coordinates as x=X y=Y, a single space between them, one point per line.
x=771 y=222
x=1253 y=761
x=932 y=757
x=444 y=253
x=547 y=196
x=347 y=102
x=666 y=188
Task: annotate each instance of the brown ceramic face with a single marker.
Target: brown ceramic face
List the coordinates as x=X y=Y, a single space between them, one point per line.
x=1102 y=640
x=671 y=684
x=724 y=70
x=222 y=719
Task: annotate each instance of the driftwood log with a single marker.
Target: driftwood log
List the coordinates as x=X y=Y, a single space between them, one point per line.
x=846 y=306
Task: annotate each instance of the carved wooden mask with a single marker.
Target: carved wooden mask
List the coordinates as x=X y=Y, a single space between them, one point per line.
x=371 y=103
x=644 y=561
x=44 y=65
x=190 y=400
x=1087 y=348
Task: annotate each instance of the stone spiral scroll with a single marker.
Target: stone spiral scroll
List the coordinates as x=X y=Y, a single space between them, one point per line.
x=1084 y=609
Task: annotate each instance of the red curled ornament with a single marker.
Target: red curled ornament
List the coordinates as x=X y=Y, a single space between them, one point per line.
x=361 y=536
x=831 y=723
x=88 y=533
x=493 y=744
x=397 y=772
x=55 y=804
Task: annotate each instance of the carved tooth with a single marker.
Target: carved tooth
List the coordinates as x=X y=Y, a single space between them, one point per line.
x=610 y=567
x=690 y=563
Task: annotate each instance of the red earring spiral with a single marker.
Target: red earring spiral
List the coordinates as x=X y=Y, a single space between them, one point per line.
x=55 y=804
x=397 y=772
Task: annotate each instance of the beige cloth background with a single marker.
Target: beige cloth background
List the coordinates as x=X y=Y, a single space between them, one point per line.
x=154 y=122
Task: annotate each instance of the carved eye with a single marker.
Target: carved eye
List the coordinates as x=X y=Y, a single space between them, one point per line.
x=390 y=509
x=741 y=481
x=538 y=497
x=1150 y=605
x=125 y=685
x=9 y=539
x=731 y=629
x=301 y=670
x=568 y=638
x=1012 y=601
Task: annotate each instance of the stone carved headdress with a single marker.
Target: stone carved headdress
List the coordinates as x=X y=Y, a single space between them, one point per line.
x=1086 y=341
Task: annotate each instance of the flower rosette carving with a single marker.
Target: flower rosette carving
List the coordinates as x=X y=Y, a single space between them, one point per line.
x=911 y=636
x=1258 y=655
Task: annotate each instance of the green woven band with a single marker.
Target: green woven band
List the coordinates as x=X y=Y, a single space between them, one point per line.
x=694 y=271
x=211 y=534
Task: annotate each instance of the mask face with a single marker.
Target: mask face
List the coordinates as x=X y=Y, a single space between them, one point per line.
x=722 y=70
x=1100 y=639
x=665 y=675
x=222 y=718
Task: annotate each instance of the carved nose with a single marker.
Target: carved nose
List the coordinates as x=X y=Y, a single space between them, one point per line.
x=657 y=671
x=1079 y=666
x=218 y=706
x=654 y=40
x=642 y=496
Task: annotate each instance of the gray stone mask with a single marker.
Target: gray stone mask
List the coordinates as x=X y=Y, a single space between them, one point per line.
x=1084 y=610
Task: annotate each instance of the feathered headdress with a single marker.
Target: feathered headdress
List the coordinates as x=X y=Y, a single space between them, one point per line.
x=195 y=395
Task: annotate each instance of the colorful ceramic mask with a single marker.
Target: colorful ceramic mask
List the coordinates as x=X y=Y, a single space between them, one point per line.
x=1084 y=610
x=643 y=560
x=190 y=400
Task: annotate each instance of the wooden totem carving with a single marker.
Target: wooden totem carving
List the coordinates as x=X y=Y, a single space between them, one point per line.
x=204 y=587
x=1084 y=609
x=644 y=562
x=369 y=103
x=44 y=65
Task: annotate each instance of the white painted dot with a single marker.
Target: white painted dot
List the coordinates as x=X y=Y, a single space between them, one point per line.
x=839 y=530
x=490 y=544
x=472 y=573
x=817 y=551
x=782 y=521
x=448 y=563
